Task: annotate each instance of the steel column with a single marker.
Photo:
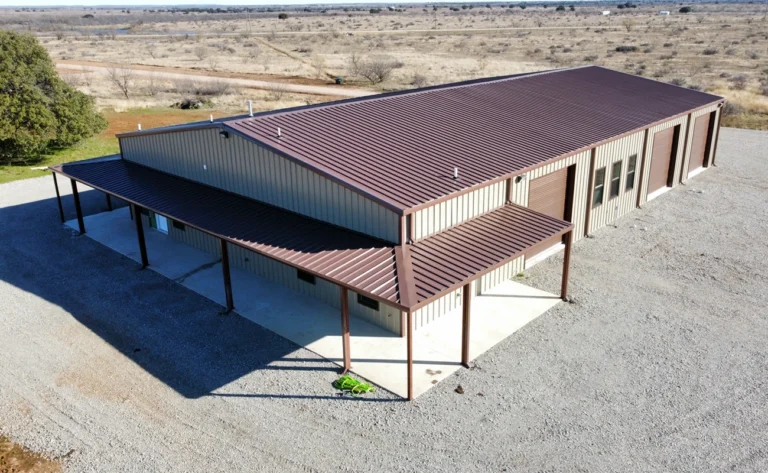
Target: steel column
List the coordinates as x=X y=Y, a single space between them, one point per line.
x=345 y=328
x=58 y=196
x=643 y=161
x=227 y=277
x=508 y=196
x=109 y=202
x=78 y=209
x=466 y=293
x=140 y=233
x=410 y=356
x=566 y=265
x=402 y=323
x=717 y=137
x=590 y=190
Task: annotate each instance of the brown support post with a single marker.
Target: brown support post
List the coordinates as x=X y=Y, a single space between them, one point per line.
x=403 y=229
x=78 y=209
x=466 y=293
x=411 y=229
x=345 y=328
x=402 y=324
x=590 y=191
x=58 y=196
x=140 y=233
x=109 y=202
x=410 y=356
x=227 y=277
x=642 y=168
x=683 y=171
x=566 y=265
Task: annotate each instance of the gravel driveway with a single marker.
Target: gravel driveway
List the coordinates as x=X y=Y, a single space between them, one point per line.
x=660 y=365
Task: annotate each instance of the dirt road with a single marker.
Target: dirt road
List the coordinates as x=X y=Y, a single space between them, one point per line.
x=237 y=80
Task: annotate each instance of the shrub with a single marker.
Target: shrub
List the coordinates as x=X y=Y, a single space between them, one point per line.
x=374 y=11
x=39 y=110
x=686 y=10
x=709 y=52
x=730 y=109
x=560 y=8
x=626 y=49
x=738 y=82
x=376 y=70
x=282 y=16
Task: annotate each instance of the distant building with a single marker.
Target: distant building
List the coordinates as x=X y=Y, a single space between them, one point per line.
x=606 y=12
x=663 y=12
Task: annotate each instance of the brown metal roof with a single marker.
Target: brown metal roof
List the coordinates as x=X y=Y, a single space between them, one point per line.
x=407 y=277
x=360 y=263
x=401 y=149
x=447 y=260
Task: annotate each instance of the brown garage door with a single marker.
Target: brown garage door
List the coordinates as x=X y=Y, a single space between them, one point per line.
x=661 y=158
x=699 y=142
x=547 y=195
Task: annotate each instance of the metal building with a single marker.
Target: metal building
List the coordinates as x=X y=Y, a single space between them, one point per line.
x=400 y=207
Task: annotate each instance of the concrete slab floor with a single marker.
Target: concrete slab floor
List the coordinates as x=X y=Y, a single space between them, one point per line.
x=377 y=355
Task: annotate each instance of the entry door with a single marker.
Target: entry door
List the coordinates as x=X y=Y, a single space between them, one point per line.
x=661 y=159
x=701 y=127
x=548 y=195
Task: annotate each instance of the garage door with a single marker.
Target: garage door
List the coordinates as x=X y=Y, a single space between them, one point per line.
x=547 y=195
x=661 y=158
x=699 y=142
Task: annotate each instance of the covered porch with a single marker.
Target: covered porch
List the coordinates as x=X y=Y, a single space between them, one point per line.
x=408 y=365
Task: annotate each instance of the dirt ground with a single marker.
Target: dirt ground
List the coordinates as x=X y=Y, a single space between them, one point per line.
x=659 y=365
x=15 y=459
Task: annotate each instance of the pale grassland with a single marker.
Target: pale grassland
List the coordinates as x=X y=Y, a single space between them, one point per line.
x=721 y=48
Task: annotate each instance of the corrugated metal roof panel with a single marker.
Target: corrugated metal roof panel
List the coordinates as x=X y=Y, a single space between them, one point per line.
x=434 y=265
x=401 y=149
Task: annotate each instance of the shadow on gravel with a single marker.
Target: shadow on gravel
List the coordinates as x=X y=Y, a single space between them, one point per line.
x=171 y=332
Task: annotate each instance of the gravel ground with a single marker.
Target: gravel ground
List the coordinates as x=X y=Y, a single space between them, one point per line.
x=659 y=365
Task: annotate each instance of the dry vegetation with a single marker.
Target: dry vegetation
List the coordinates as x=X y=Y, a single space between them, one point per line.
x=718 y=47
x=16 y=459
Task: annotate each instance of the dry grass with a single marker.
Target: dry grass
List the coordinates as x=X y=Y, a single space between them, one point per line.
x=432 y=47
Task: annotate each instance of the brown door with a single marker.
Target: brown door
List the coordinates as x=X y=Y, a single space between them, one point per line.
x=548 y=195
x=661 y=158
x=699 y=142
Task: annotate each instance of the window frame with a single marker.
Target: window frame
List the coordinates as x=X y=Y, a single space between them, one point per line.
x=308 y=278
x=599 y=185
x=631 y=170
x=368 y=302
x=615 y=179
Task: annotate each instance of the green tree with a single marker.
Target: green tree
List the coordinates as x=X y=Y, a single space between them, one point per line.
x=38 y=111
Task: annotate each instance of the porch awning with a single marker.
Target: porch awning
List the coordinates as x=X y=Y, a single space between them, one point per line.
x=406 y=277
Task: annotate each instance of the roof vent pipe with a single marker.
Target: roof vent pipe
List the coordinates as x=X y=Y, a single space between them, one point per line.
x=279 y=134
x=139 y=126
x=250 y=108
x=455 y=173
x=211 y=118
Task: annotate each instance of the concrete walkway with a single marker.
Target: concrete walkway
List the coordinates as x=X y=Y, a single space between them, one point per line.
x=377 y=355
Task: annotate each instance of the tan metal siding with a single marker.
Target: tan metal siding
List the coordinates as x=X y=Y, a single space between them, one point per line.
x=386 y=317
x=690 y=137
x=520 y=190
x=682 y=121
x=243 y=167
x=499 y=275
x=454 y=211
x=606 y=155
x=440 y=307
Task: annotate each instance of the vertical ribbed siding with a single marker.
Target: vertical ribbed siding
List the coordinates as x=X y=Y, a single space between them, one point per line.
x=454 y=211
x=519 y=192
x=242 y=167
x=694 y=116
x=606 y=156
x=499 y=275
x=682 y=121
x=386 y=317
x=440 y=307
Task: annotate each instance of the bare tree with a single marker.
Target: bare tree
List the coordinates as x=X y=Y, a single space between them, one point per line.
x=87 y=76
x=122 y=78
x=201 y=52
x=628 y=23
x=152 y=85
x=276 y=92
x=152 y=50
x=376 y=69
